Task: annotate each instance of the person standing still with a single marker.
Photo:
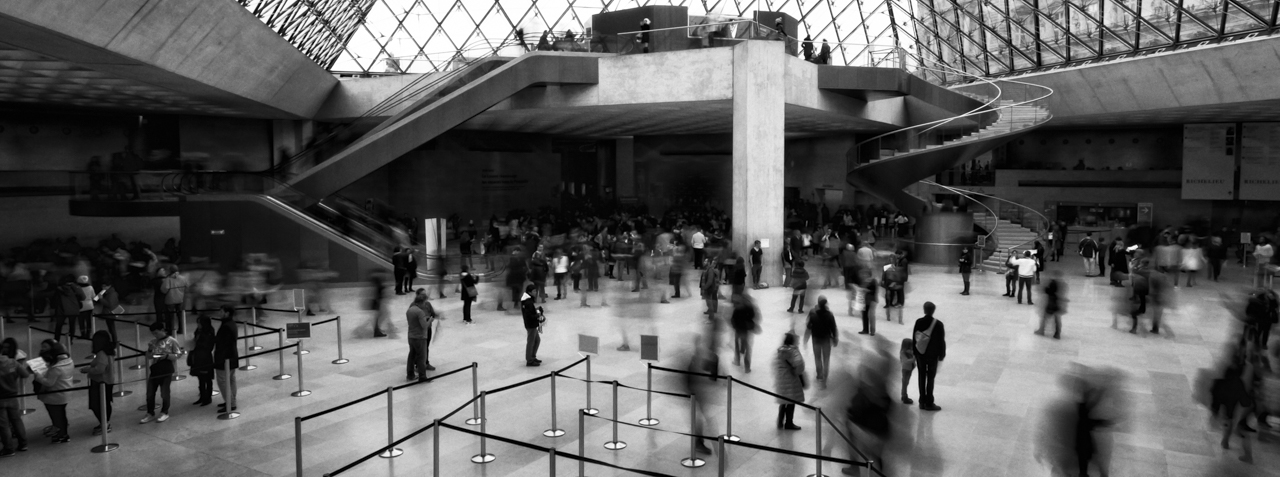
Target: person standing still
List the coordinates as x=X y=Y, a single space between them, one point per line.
x=397 y=267
x=174 y=287
x=410 y=262
x=226 y=359
x=420 y=315
x=822 y=328
x=469 y=294
x=699 y=244
x=13 y=370
x=1088 y=250
x=757 y=263
x=532 y=314
x=1026 y=273
x=162 y=351
x=930 y=346
x=966 y=268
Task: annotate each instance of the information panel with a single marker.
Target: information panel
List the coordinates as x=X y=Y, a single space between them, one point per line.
x=1208 y=161
x=1260 y=162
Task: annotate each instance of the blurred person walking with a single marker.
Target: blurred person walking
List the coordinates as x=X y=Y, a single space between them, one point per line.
x=929 y=341
x=69 y=296
x=420 y=316
x=1262 y=255
x=174 y=288
x=907 y=358
x=378 y=291
x=398 y=268
x=745 y=322
x=799 y=285
x=868 y=411
x=821 y=326
x=226 y=360
x=1055 y=304
x=517 y=269
x=1216 y=253
x=870 y=290
x=789 y=381
x=1119 y=263
x=1192 y=260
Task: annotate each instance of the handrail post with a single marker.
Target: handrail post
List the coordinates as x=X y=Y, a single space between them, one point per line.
x=301 y=392
x=254 y=311
x=615 y=444
x=231 y=413
x=392 y=451
x=589 y=410
x=248 y=366
x=297 y=445
x=103 y=423
x=280 y=339
x=338 y=326
x=475 y=391
x=817 y=430
x=693 y=461
x=728 y=414
x=648 y=398
x=554 y=431
x=137 y=344
x=484 y=457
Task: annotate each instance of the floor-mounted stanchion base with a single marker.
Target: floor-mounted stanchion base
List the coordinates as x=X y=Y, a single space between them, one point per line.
x=392 y=453
x=248 y=367
x=305 y=351
x=216 y=393
x=301 y=393
x=121 y=393
x=817 y=475
x=649 y=421
x=692 y=462
x=179 y=377
x=227 y=416
x=591 y=411
x=137 y=367
x=475 y=421
x=281 y=377
x=255 y=348
x=28 y=411
x=615 y=445
x=731 y=437
x=553 y=432
x=104 y=448
x=341 y=361
x=483 y=458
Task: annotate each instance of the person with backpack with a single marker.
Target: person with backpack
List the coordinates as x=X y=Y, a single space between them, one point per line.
x=929 y=341
x=1088 y=250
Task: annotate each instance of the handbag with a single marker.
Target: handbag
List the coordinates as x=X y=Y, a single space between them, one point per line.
x=471 y=291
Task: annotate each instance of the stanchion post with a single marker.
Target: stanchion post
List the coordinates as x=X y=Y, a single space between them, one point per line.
x=231 y=413
x=29 y=342
x=104 y=424
x=554 y=431
x=435 y=448
x=552 y=452
x=22 y=401
x=582 y=442
x=693 y=461
x=719 y=449
x=648 y=398
x=589 y=410
x=300 y=350
x=484 y=457
x=137 y=344
x=282 y=376
x=248 y=365
x=120 y=377
x=297 y=445
x=255 y=346
x=338 y=327
x=615 y=444
x=728 y=414
x=475 y=391
x=817 y=432
x=301 y=392
x=392 y=451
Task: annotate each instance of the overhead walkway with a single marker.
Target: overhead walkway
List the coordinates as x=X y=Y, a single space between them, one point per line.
x=437 y=113
x=922 y=151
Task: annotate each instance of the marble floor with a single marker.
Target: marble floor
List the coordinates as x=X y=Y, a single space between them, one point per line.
x=995 y=387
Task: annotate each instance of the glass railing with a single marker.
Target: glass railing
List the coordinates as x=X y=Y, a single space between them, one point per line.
x=704 y=33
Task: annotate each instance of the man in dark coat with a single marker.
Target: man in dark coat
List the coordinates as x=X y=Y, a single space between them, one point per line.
x=929 y=343
x=532 y=314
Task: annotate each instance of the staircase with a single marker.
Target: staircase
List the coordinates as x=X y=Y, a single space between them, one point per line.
x=1007 y=235
x=887 y=176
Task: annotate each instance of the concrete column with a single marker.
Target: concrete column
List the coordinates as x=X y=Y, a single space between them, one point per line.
x=759 y=94
x=942 y=228
x=625 y=160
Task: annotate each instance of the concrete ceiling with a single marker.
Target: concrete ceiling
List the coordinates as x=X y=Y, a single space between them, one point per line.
x=696 y=117
x=31 y=78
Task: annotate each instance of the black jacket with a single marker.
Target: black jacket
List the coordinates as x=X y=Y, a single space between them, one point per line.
x=529 y=310
x=937 y=348
x=225 y=347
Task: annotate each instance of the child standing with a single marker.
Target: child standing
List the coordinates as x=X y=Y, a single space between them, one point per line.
x=908 y=359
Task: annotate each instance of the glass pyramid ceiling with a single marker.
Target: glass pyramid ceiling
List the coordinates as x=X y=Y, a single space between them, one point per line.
x=416 y=36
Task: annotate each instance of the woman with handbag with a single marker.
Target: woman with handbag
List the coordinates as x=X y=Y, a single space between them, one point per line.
x=469 y=293
x=788 y=381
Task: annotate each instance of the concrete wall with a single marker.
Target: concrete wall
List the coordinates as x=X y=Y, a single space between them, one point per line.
x=352 y=97
x=226 y=143
x=684 y=169
x=819 y=163
x=62 y=142
x=31 y=218
x=1131 y=149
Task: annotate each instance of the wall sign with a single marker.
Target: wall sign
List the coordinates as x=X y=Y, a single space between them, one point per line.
x=1208 y=161
x=1260 y=161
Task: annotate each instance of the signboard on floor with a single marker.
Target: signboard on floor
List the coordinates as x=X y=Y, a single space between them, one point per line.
x=1208 y=161
x=648 y=347
x=1260 y=161
x=588 y=344
x=297 y=331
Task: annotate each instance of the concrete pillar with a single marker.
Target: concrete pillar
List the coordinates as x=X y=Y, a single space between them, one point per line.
x=625 y=160
x=943 y=228
x=758 y=177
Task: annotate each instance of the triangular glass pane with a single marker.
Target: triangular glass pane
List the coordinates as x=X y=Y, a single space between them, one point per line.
x=1239 y=20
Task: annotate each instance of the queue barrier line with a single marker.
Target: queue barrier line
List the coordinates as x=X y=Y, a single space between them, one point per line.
x=610 y=383
x=548 y=449
x=343 y=405
x=432 y=378
x=761 y=447
x=325 y=322
x=521 y=383
x=736 y=380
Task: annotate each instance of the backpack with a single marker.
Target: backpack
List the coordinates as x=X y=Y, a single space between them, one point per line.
x=922 y=337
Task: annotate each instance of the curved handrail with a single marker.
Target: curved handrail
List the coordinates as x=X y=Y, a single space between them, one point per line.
x=1044 y=219
x=940 y=122
x=965 y=194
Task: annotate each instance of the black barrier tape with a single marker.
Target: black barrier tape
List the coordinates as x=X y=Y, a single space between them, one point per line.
x=460 y=408
x=547 y=449
x=793 y=401
x=694 y=373
x=433 y=378
x=610 y=383
x=566 y=368
x=324 y=322
x=516 y=385
x=260 y=353
x=343 y=406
